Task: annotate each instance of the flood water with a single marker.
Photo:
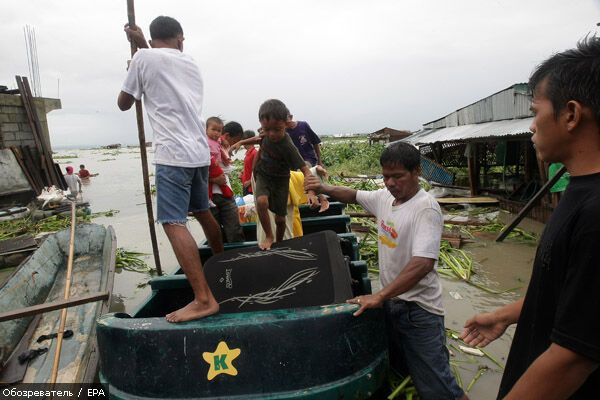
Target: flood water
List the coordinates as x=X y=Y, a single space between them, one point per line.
x=118 y=186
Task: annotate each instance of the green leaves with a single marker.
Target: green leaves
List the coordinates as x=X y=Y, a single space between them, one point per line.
x=351 y=158
x=132 y=261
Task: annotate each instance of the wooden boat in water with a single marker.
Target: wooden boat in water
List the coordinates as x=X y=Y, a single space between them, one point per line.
x=283 y=330
x=31 y=301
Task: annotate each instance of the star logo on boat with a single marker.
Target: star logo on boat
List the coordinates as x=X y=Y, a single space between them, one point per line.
x=220 y=361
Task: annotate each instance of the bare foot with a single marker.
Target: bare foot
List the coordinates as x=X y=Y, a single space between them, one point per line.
x=194 y=310
x=266 y=244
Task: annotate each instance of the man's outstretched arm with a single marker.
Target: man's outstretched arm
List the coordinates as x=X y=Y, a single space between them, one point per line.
x=340 y=193
x=486 y=327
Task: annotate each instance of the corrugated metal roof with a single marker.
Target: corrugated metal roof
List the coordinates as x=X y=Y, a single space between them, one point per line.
x=510 y=103
x=492 y=129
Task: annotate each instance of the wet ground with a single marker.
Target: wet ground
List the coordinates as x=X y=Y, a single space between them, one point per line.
x=119 y=187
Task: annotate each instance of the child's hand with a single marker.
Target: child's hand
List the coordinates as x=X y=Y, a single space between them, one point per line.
x=313 y=201
x=322 y=172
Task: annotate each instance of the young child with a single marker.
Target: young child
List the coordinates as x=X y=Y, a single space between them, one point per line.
x=306 y=140
x=297 y=196
x=246 y=175
x=214 y=129
x=232 y=133
x=224 y=210
x=276 y=157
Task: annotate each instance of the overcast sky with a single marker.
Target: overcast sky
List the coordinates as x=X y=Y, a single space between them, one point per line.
x=344 y=66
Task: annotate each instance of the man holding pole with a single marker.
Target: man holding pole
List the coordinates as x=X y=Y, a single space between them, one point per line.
x=172 y=87
x=555 y=352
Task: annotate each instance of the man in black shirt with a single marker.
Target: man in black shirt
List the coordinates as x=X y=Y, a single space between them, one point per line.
x=556 y=349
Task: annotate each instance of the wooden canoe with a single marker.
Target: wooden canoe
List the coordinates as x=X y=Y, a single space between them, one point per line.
x=32 y=298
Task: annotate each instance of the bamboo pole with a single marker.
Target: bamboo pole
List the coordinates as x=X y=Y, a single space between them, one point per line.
x=63 y=315
x=142 y=138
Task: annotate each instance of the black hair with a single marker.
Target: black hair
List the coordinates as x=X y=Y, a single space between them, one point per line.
x=273 y=109
x=163 y=28
x=401 y=153
x=81 y=166
x=572 y=75
x=214 y=120
x=233 y=128
x=248 y=134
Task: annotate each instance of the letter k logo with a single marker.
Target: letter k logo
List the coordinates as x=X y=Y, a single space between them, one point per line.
x=220 y=361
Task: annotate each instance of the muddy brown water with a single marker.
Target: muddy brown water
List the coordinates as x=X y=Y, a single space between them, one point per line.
x=499 y=266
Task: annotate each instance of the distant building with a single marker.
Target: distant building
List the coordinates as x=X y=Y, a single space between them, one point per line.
x=387 y=135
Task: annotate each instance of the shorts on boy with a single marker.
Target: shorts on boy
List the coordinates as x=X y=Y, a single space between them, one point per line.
x=417 y=343
x=180 y=190
x=276 y=188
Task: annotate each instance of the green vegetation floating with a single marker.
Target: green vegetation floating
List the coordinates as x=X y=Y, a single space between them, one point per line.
x=458 y=264
x=109 y=213
x=132 y=261
x=516 y=234
x=18 y=227
x=54 y=223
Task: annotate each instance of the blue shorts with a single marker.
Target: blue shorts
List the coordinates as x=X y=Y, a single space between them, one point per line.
x=418 y=347
x=180 y=190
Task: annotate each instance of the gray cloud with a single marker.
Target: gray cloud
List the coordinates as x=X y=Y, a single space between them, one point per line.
x=344 y=66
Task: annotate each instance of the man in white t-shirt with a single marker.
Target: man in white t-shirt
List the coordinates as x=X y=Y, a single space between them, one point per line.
x=172 y=88
x=410 y=227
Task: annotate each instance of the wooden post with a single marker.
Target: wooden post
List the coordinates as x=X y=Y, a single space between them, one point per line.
x=142 y=139
x=38 y=144
x=473 y=164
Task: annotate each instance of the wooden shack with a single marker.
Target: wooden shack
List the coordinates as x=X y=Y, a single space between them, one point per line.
x=387 y=135
x=487 y=144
